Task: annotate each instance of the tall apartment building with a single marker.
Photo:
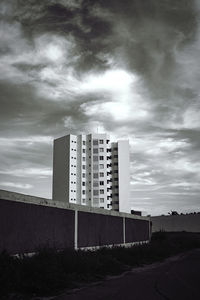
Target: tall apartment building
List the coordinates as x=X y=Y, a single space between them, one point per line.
x=89 y=170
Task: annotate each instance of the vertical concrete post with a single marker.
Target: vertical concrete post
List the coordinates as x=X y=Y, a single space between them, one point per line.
x=76 y=230
x=124 y=230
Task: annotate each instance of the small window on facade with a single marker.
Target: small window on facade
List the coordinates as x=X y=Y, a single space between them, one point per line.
x=115 y=164
x=115 y=156
x=95 y=150
x=83 y=192
x=95 y=192
x=83 y=183
x=95 y=175
x=95 y=142
x=101 y=200
x=83 y=158
x=95 y=158
x=83 y=166
x=83 y=150
x=101 y=149
x=101 y=182
x=101 y=174
x=100 y=141
x=101 y=157
x=101 y=166
x=83 y=200
x=95 y=184
x=83 y=142
x=101 y=191
x=83 y=175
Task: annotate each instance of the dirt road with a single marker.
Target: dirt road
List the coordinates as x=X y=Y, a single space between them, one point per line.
x=176 y=279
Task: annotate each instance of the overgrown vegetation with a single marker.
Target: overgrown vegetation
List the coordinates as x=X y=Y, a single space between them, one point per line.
x=49 y=271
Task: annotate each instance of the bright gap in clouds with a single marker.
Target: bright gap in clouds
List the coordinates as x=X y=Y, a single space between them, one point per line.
x=123 y=97
x=112 y=80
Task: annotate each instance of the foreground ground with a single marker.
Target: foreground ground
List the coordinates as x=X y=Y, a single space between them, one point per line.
x=147 y=274
x=175 y=279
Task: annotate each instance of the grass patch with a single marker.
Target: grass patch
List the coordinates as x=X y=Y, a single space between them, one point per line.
x=49 y=271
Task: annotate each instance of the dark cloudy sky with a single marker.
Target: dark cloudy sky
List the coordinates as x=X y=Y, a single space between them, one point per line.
x=130 y=68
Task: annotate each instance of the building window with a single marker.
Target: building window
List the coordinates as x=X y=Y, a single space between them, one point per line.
x=96 y=150
x=83 y=158
x=83 y=150
x=83 y=142
x=101 y=166
x=95 y=158
x=101 y=182
x=101 y=174
x=115 y=171
x=100 y=141
x=115 y=164
x=95 y=184
x=115 y=179
x=83 y=183
x=83 y=200
x=83 y=192
x=101 y=149
x=101 y=191
x=101 y=200
x=83 y=166
x=95 y=192
x=95 y=175
x=115 y=156
x=83 y=175
x=95 y=142
x=101 y=157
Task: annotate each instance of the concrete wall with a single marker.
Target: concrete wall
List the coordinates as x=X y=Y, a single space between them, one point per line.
x=27 y=223
x=190 y=223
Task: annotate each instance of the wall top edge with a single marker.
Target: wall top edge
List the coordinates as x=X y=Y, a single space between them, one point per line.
x=18 y=197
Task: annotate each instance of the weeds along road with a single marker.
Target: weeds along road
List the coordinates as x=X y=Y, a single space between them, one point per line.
x=178 y=278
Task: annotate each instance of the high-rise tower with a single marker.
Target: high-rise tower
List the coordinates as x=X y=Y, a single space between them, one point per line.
x=89 y=170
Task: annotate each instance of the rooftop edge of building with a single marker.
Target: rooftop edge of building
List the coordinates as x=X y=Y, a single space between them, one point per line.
x=18 y=197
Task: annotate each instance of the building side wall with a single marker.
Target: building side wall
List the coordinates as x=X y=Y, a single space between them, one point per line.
x=124 y=176
x=61 y=169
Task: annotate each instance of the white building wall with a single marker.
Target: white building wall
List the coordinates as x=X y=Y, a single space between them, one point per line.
x=124 y=176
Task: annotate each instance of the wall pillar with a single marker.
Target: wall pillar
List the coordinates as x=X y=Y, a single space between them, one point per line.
x=76 y=230
x=124 y=230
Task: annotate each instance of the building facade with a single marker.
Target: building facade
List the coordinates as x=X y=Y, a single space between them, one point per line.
x=89 y=170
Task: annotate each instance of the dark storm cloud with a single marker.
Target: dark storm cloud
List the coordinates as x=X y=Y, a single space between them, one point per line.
x=130 y=67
